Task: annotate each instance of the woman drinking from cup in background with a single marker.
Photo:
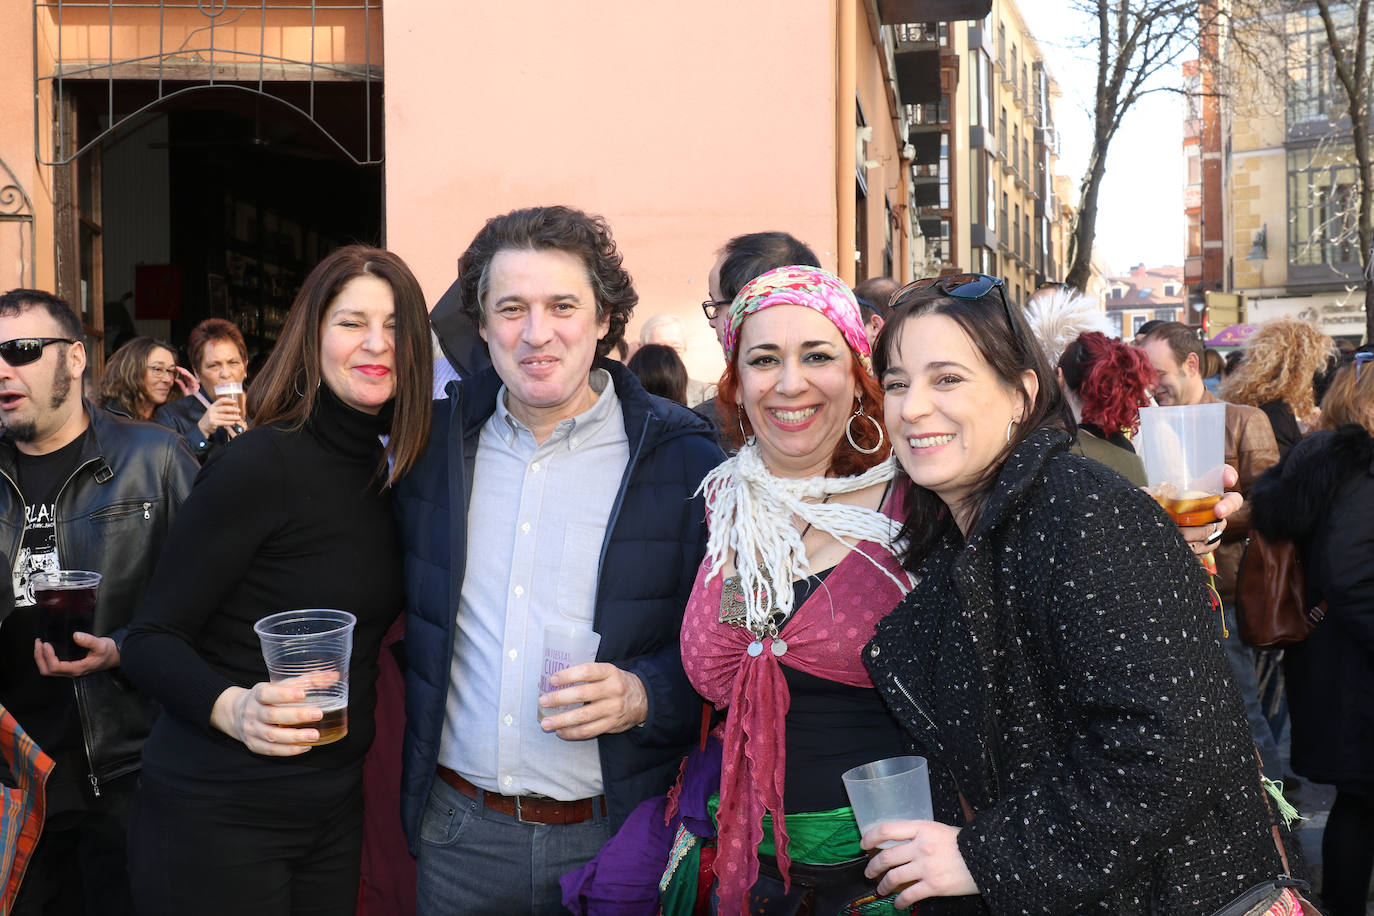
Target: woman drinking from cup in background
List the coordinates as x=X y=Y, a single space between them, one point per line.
x=139 y=377
x=215 y=413
x=237 y=811
x=1056 y=663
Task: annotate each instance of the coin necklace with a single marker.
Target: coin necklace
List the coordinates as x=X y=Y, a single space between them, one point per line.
x=732 y=612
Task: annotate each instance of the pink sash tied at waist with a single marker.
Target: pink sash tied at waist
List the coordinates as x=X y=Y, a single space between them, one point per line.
x=824 y=637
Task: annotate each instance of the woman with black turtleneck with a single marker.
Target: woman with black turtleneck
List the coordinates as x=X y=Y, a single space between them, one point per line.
x=236 y=812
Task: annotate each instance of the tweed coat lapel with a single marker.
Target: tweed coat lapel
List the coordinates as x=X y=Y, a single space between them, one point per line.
x=987 y=589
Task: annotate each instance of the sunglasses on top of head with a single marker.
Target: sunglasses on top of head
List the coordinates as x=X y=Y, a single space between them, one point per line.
x=24 y=350
x=969 y=287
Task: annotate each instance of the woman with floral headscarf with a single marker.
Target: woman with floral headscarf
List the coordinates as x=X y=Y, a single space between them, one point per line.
x=798 y=571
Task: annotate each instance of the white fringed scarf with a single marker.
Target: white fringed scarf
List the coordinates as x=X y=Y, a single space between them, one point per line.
x=751 y=515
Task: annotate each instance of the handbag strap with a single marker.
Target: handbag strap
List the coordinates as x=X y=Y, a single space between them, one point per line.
x=1273 y=820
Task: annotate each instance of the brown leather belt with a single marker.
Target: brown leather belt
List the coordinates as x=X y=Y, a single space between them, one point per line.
x=528 y=809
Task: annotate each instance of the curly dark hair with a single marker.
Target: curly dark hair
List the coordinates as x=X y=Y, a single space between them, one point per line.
x=562 y=229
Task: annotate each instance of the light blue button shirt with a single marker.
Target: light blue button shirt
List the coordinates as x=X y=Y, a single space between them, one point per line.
x=536 y=523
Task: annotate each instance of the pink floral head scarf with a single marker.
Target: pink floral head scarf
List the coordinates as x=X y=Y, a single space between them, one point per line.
x=809 y=286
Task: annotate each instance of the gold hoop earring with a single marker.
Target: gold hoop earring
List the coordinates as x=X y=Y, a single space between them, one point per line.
x=849 y=433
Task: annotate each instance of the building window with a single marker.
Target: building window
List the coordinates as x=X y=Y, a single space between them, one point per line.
x=984 y=206
x=1313 y=91
x=980 y=98
x=987 y=262
x=944 y=170
x=1323 y=208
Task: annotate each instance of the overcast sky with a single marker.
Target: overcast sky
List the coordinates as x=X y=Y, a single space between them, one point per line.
x=1140 y=216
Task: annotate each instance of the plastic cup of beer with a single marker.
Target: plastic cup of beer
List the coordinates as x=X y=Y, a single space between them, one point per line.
x=66 y=605
x=565 y=645
x=313 y=646
x=233 y=390
x=1183 y=449
x=895 y=789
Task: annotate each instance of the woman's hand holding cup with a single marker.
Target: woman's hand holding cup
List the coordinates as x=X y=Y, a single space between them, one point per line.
x=269 y=718
x=223 y=412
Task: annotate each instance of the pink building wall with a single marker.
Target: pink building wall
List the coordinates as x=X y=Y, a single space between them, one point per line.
x=683 y=126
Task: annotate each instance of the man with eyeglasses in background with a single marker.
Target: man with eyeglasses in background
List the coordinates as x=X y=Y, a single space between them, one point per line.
x=740 y=260
x=82 y=490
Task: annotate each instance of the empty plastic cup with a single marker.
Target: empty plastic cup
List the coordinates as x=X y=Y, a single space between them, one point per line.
x=895 y=789
x=315 y=644
x=1183 y=449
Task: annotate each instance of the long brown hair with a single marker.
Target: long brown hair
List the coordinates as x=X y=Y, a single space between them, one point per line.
x=126 y=376
x=288 y=386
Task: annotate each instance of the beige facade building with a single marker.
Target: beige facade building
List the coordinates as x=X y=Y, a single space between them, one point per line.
x=1289 y=189
x=163 y=161
x=991 y=201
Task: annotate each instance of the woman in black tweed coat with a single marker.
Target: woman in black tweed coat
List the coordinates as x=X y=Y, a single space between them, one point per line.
x=1057 y=663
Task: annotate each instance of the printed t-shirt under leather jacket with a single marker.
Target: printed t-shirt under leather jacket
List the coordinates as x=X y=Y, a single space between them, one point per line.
x=112 y=516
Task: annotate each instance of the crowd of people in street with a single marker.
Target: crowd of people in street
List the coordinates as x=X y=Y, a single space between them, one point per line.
x=906 y=520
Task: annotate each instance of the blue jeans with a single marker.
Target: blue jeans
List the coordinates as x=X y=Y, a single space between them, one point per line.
x=474 y=860
x=1242 y=661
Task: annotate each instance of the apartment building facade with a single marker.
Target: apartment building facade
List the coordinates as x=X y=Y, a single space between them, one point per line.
x=1287 y=191
x=987 y=193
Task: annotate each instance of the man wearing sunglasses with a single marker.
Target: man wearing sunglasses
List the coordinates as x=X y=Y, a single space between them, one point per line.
x=81 y=490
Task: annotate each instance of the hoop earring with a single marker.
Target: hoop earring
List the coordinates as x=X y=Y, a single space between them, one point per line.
x=1010 y=424
x=849 y=432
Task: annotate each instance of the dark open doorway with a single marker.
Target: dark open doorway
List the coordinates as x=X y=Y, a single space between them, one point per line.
x=220 y=202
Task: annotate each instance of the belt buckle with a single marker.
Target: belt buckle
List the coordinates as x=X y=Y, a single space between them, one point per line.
x=520 y=812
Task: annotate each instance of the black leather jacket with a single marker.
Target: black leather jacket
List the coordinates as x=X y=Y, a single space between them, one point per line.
x=182 y=415
x=112 y=515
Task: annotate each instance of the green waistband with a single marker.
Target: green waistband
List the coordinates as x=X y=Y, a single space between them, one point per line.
x=817 y=837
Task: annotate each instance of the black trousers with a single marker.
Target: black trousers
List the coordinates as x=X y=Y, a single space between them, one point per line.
x=79 y=866
x=213 y=855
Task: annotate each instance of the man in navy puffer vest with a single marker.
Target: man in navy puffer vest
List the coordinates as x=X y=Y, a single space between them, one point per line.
x=555 y=490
